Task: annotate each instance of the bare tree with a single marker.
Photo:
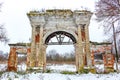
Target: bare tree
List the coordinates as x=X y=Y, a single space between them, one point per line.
x=3 y=35
x=108 y=13
x=3 y=56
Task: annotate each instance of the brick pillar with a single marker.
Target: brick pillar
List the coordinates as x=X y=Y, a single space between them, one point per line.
x=41 y=48
x=87 y=46
x=12 y=60
x=37 y=54
x=44 y=58
x=92 y=58
x=108 y=60
x=33 y=48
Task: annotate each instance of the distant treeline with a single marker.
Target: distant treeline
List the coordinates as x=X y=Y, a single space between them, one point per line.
x=52 y=55
x=3 y=56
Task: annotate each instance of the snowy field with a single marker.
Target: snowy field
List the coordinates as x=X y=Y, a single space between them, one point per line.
x=58 y=68
x=56 y=75
x=3 y=67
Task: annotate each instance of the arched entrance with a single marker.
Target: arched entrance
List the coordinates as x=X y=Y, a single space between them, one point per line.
x=59 y=44
x=60 y=23
x=60 y=54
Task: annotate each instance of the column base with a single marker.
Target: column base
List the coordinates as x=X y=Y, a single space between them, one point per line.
x=12 y=68
x=108 y=69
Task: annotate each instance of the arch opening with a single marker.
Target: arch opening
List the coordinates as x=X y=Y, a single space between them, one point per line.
x=61 y=50
x=62 y=38
x=63 y=54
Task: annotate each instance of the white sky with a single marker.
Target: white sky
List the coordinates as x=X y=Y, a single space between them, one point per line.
x=17 y=24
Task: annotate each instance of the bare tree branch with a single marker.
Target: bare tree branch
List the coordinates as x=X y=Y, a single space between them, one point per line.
x=108 y=12
x=3 y=35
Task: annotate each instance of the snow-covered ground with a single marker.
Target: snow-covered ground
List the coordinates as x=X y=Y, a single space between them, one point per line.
x=3 y=67
x=59 y=68
x=56 y=75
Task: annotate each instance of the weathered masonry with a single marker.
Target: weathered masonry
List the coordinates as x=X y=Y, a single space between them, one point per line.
x=15 y=49
x=47 y=24
x=60 y=24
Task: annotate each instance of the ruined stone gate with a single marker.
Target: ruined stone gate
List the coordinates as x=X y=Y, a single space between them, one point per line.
x=59 y=23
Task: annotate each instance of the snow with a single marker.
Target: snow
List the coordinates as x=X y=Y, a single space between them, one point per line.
x=99 y=68
x=64 y=67
x=56 y=75
x=22 y=67
x=3 y=67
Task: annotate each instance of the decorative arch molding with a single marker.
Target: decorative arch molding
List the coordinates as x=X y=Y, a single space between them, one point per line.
x=70 y=32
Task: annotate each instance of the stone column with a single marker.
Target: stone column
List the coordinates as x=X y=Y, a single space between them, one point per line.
x=37 y=54
x=44 y=57
x=77 y=56
x=87 y=44
x=28 y=56
x=79 y=50
x=41 y=54
x=33 y=48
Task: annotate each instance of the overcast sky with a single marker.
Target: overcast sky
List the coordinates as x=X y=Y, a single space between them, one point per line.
x=17 y=24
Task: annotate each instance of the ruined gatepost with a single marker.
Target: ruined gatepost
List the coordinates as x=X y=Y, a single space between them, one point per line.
x=36 y=60
x=83 y=45
x=15 y=49
x=12 y=60
x=83 y=54
x=87 y=46
x=41 y=49
x=108 y=60
x=79 y=51
x=33 y=51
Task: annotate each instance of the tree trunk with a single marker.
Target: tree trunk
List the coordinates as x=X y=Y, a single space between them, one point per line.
x=116 y=58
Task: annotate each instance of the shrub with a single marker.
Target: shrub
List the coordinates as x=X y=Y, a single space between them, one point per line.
x=1 y=73
x=67 y=72
x=48 y=71
x=21 y=73
x=93 y=70
x=87 y=70
x=84 y=71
